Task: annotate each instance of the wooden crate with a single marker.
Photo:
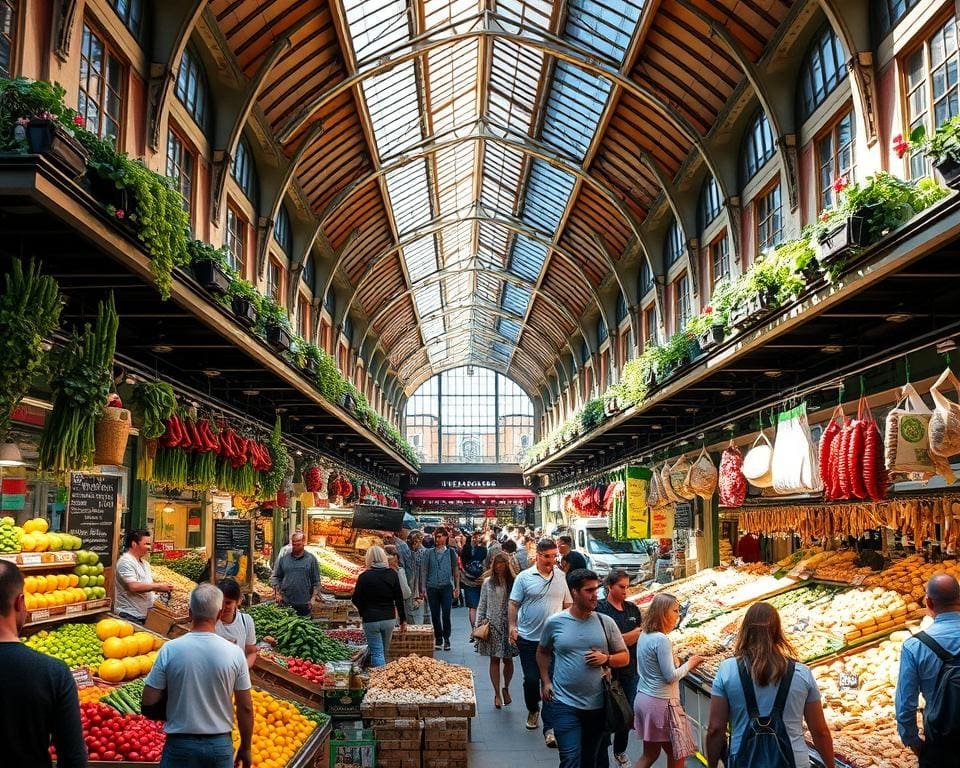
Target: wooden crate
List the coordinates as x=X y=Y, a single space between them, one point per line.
x=165 y=624
x=399 y=742
x=284 y=683
x=415 y=640
x=331 y=610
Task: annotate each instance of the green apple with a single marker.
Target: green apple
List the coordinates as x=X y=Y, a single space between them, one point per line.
x=100 y=580
x=99 y=567
x=84 y=581
x=100 y=592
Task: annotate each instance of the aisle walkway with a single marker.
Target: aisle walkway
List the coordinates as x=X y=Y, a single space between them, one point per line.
x=500 y=738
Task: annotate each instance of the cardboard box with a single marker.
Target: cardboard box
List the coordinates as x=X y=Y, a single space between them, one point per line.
x=352 y=748
x=343 y=703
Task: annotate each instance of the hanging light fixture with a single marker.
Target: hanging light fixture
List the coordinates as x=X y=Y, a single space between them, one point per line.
x=168 y=508
x=10 y=455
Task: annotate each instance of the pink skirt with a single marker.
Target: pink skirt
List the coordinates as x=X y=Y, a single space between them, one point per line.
x=652 y=719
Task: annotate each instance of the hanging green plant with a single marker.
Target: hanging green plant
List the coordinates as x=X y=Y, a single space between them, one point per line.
x=272 y=480
x=81 y=384
x=152 y=403
x=30 y=308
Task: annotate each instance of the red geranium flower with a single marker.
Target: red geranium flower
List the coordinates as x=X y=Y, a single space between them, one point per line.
x=839 y=184
x=120 y=213
x=824 y=216
x=708 y=310
x=900 y=145
x=78 y=121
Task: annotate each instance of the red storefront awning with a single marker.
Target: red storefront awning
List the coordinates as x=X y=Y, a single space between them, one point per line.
x=469 y=496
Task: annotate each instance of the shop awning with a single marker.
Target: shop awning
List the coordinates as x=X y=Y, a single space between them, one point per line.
x=469 y=496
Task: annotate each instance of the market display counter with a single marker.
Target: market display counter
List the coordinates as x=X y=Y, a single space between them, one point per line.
x=314 y=749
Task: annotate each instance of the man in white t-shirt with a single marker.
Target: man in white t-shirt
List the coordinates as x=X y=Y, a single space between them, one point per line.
x=234 y=626
x=133 y=580
x=537 y=594
x=204 y=676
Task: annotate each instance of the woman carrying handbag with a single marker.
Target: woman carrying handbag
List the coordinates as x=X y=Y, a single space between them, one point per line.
x=660 y=720
x=491 y=631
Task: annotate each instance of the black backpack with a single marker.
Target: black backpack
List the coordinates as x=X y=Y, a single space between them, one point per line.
x=941 y=718
x=765 y=743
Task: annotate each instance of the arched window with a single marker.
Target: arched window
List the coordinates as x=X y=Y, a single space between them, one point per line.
x=348 y=329
x=887 y=14
x=308 y=273
x=673 y=245
x=621 y=308
x=823 y=70
x=191 y=87
x=584 y=353
x=131 y=11
x=602 y=332
x=758 y=147
x=710 y=204
x=281 y=230
x=330 y=303
x=244 y=172
x=646 y=276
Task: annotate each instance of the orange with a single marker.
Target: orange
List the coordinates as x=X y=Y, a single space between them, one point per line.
x=126 y=628
x=108 y=628
x=131 y=668
x=74 y=579
x=63 y=581
x=114 y=648
x=112 y=670
x=144 y=642
x=30 y=584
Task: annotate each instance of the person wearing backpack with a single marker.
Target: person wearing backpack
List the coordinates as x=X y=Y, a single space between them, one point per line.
x=930 y=664
x=472 y=557
x=765 y=695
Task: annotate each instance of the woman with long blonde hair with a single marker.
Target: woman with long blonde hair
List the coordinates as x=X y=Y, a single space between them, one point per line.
x=492 y=610
x=765 y=673
x=658 y=682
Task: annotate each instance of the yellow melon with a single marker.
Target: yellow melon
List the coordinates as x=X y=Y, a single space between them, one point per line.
x=108 y=628
x=113 y=648
x=112 y=670
x=144 y=642
x=131 y=668
x=126 y=628
x=131 y=646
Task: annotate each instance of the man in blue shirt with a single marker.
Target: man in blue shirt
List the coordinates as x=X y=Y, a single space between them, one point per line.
x=920 y=669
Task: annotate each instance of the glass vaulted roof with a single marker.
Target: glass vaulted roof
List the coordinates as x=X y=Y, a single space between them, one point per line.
x=479 y=140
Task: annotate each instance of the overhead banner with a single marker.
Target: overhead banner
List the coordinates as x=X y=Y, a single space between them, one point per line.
x=638 y=513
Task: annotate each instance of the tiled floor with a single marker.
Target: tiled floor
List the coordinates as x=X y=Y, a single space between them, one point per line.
x=499 y=736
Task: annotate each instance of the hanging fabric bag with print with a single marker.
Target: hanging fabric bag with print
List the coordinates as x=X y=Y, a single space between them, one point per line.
x=702 y=477
x=678 y=479
x=758 y=463
x=945 y=421
x=907 y=435
x=666 y=486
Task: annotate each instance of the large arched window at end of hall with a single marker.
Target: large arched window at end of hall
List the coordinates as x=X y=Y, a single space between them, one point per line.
x=673 y=244
x=758 y=147
x=710 y=203
x=191 y=88
x=243 y=171
x=469 y=415
x=823 y=70
x=8 y=35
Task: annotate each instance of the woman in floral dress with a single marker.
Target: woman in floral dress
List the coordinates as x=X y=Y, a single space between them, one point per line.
x=492 y=609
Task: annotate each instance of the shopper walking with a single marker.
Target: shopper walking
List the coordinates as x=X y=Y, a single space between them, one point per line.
x=537 y=594
x=764 y=679
x=443 y=586
x=133 y=581
x=579 y=642
x=379 y=599
x=296 y=576
x=626 y=616
x=658 y=680
x=576 y=559
x=416 y=578
x=38 y=696
x=492 y=611
x=204 y=676
x=235 y=626
x=924 y=668
x=472 y=557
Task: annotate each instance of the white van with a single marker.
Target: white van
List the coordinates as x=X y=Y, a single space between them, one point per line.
x=591 y=537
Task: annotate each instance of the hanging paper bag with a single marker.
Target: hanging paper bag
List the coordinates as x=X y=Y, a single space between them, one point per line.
x=945 y=421
x=907 y=435
x=795 y=467
x=702 y=477
x=758 y=463
x=666 y=486
x=678 y=479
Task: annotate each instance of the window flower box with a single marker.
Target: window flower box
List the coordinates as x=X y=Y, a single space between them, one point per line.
x=844 y=238
x=711 y=337
x=244 y=311
x=49 y=138
x=210 y=275
x=949 y=169
x=750 y=310
x=278 y=337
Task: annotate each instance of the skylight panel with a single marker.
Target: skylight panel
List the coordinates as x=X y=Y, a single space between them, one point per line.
x=376 y=25
x=501 y=350
x=514 y=74
x=452 y=73
x=488 y=287
x=391 y=99
x=427 y=299
x=458 y=287
x=455 y=167
x=433 y=328
x=493 y=239
x=409 y=196
x=527 y=257
x=420 y=258
x=605 y=28
x=502 y=168
x=577 y=99
x=439 y=13
x=509 y=328
x=548 y=192
x=537 y=13
x=515 y=299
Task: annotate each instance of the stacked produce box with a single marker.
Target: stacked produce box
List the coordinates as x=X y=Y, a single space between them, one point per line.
x=416 y=639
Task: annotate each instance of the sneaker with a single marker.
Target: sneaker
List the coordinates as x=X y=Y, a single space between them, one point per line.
x=549 y=739
x=437 y=646
x=621 y=758
x=446 y=646
x=532 y=719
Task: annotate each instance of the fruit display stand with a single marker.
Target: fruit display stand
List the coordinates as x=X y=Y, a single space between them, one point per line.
x=278 y=679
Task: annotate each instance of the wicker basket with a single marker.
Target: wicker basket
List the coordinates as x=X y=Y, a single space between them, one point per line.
x=111 y=433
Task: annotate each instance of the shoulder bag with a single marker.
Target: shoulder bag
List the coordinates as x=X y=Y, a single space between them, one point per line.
x=617 y=710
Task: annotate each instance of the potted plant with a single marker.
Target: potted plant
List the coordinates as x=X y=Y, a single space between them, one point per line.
x=943 y=148
x=635 y=380
x=312 y=356
x=210 y=266
x=273 y=323
x=707 y=329
x=244 y=301
x=591 y=414
x=33 y=118
x=329 y=380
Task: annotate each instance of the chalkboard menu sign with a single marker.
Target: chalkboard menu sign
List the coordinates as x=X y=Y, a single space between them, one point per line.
x=92 y=512
x=376 y=518
x=683 y=517
x=233 y=551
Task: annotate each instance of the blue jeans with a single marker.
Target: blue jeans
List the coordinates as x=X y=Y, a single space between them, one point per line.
x=531 y=681
x=183 y=751
x=440 y=598
x=579 y=734
x=620 y=738
x=378 y=639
